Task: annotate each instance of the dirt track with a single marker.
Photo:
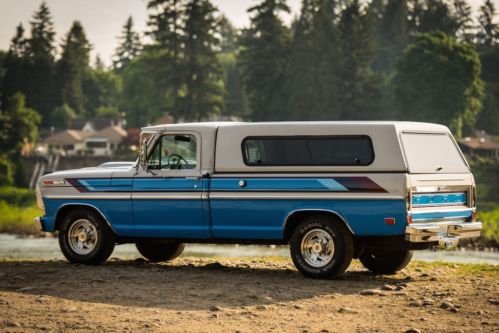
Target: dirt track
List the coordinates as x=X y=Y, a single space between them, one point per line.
x=209 y=295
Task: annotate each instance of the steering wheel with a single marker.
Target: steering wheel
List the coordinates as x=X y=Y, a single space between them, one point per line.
x=175 y=161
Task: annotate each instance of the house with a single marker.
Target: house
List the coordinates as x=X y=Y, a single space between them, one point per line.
x=95 y=124
x=67 y=142
x=106 y=141
x=98 y=137
x=482 y=146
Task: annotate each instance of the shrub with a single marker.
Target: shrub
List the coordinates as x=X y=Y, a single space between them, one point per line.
x=18 y=220
x=17 y=196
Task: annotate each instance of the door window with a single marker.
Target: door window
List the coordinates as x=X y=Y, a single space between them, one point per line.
x=174 y=152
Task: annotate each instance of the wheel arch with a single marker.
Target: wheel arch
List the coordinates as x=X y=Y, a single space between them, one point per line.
x=66 y=208
x=299 y=215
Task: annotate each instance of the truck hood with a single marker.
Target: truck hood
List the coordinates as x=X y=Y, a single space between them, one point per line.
x=104 y=172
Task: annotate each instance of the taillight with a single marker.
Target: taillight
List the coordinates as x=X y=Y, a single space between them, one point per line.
x=390 y=220
x=409 y=219
x=473 y=216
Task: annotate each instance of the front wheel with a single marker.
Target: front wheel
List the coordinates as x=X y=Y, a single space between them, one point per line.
x=85 y=238
x=321 y=247
x=157 y=251
x=384 y=261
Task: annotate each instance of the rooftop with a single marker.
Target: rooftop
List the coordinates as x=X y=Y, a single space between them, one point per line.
x=479 y=144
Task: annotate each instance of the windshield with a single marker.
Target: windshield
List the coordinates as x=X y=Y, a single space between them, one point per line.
x=432 y=153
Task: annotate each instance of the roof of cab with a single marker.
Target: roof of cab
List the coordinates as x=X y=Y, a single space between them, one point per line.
x=187 y=126
x=399 y=125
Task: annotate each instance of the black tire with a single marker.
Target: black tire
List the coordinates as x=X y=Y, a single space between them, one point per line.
x=158 y=251
x=341 y=256
x=104 y=244
x=384 y=261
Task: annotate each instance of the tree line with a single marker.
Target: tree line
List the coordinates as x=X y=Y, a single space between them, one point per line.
x=426 y=60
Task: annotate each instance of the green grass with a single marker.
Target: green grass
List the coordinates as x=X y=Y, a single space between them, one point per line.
x=490 y=221
x=18 y=220
x=462 y=269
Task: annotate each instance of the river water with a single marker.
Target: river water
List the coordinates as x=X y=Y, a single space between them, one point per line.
x=48 y=248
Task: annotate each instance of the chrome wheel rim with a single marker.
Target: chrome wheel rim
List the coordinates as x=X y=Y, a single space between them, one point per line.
x=82 y=236
x=317 y=248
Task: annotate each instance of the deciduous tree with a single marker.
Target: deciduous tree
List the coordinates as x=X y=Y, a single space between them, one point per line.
x=438 y=80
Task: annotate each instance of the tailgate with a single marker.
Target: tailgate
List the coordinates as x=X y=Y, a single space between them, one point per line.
x=441 y=197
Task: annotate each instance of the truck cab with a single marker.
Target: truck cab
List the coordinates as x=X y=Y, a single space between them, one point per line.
x=333 y=191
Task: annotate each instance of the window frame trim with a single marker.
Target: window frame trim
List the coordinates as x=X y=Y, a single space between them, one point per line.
x=284 y=137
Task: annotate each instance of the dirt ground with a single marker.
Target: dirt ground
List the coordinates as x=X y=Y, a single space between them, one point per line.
x=243 y=295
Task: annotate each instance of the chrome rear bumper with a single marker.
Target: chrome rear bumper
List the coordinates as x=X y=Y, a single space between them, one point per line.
x=447 y=234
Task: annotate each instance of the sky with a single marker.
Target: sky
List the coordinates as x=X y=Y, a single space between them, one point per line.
x=104 y=19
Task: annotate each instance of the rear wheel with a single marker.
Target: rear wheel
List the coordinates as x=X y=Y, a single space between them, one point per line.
x=157 y=251
x=321 y=247
x=384 y=261
x=85 y=238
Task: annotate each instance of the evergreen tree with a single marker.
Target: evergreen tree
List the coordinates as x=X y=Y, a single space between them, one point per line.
x=228 y=35
x=142 y=98
x=40 y=93
x=359 y=93
x=462 y=16
x=73 y=68
x=488 y=119
x=438 y=16
x=393 y=35
x=129 y=47
x=166 y=20
x=18 y=43
x=488 y=30
x=311 y=84
x=236 y=102
x=99 y=64
x=450 y=17
x=202 y=91
x=264 y=57
x=41 y=43
x=449 y=89
x=15 y=70
x=487 y=40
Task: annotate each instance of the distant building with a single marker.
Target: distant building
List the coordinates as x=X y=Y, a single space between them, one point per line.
x=481 y=146
x=165 y=119
x=97 y=137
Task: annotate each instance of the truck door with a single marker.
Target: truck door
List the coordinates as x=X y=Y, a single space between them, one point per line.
x=167 y=195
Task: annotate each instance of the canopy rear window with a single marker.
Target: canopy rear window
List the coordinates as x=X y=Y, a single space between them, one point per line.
x=432 y=153
x=308 y=151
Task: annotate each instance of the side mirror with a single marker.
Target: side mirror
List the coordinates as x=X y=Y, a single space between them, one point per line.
x=143 y=154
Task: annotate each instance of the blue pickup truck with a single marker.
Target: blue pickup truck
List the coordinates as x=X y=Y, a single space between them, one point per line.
x=333 y=191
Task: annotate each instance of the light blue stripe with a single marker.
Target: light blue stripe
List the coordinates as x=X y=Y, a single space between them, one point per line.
x=333 y=185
